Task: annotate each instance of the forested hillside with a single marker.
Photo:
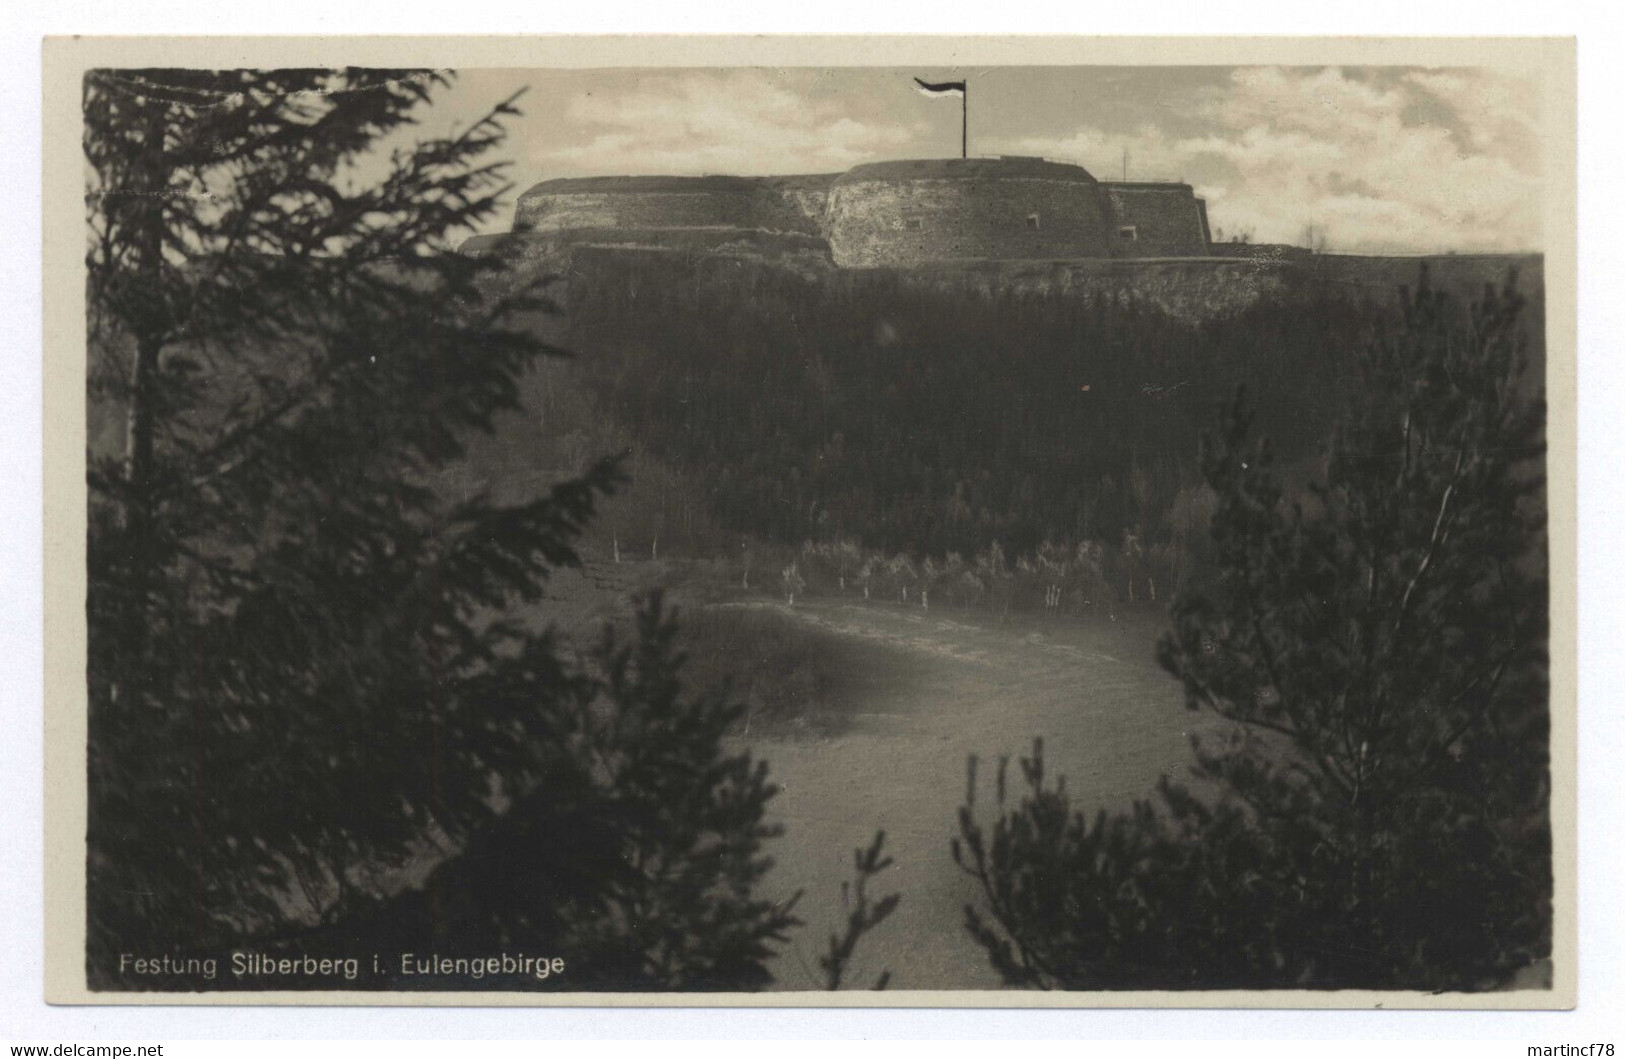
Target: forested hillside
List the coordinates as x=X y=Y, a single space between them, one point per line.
x=943 y=416
x=938 y=414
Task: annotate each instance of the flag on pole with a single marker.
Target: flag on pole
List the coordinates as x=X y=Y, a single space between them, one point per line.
x=942 y=88
x=952 y=89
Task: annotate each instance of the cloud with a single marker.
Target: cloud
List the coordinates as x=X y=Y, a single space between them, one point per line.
x=717 y=122
x=1425 y=161
x=1499 y=114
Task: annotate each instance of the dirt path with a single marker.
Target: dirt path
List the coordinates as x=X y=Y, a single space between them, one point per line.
x=1111 y=720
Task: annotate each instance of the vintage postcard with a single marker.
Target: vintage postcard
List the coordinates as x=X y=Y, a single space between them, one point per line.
x=811 y=521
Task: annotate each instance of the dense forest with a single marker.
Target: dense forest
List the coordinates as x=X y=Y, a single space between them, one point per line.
x=933 y=416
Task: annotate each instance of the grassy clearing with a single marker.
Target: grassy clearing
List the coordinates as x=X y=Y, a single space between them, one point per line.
x=788 y=676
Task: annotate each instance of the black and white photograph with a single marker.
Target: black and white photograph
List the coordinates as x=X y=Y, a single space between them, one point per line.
x=1051 y=531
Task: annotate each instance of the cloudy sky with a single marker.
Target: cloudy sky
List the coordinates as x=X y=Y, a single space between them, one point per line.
x=1382 y=159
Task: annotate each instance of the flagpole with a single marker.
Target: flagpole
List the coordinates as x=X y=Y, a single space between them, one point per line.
x=939 y=89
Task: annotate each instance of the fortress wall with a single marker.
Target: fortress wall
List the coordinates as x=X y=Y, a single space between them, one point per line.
x=772 y=204
x=805 y=208
x=917 y=221
x=543 y=211
x=540 y=244
x=1168 y=220
x=1190 y=289
x=1262 y=252
x=888 y=213
x=796 y=203
x=1464 y=274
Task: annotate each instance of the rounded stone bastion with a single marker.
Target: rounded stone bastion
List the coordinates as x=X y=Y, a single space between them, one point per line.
x=916 y=212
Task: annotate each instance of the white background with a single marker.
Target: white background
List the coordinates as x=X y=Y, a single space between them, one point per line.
x=25 y=1018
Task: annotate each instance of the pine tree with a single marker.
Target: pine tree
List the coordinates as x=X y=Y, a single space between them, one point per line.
x=1379 y=645
x=637 y=856
x=305 y=671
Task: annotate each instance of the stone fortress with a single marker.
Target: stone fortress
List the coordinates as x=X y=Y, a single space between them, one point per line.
x=902 y=213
